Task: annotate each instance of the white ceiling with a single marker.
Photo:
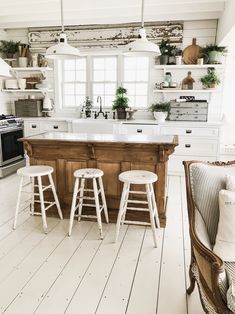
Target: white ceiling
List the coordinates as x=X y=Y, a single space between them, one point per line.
x=30 y=13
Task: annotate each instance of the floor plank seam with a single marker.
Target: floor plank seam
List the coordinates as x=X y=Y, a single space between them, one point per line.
x=86 y=269
x=137 y=262
x=111 y=270
x=34 y=273
x=80 y=242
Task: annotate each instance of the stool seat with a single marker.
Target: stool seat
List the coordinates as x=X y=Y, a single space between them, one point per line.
x=138 y=177
x=88 y=173
x=34 y=171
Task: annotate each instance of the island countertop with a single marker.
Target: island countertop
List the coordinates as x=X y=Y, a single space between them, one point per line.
x=105 y=138
x=112 y=153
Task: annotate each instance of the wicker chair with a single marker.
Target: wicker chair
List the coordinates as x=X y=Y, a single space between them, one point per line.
x=213 y=276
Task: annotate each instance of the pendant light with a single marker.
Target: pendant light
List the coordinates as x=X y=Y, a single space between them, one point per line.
x=141 y=46
x=4 y=69
x=62 y=50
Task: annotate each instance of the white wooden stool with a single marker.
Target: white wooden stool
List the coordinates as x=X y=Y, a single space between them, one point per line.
x=78 y=194
x=138 y=177
x=31 y=173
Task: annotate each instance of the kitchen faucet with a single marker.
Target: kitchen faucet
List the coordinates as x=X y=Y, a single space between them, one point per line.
x=105 y=115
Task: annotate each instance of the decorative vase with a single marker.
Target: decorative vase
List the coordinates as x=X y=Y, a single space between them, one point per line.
x=163 y=59
x=215 y=57
x=23 y=62
x=121 y=114
x=160 y=116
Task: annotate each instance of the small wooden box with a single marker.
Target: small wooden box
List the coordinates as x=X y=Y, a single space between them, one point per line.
x=188 y=111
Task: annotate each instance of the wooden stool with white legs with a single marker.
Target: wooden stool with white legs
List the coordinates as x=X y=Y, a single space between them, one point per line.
x=32 y=172
x=81 y=176
x=139 y=177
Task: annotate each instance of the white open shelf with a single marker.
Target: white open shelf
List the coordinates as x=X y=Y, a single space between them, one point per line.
x=185 y=90
x=188 y=66
x=32 y=69
x=27 y=91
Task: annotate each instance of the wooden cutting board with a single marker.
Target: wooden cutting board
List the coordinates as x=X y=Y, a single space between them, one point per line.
x=191 y=53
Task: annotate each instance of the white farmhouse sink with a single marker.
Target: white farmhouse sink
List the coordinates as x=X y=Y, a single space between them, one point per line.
x=99 y=126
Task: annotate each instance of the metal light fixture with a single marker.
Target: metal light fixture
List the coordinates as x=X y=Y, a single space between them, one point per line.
x=142 y=46
x=4 y=69
x=62 y=50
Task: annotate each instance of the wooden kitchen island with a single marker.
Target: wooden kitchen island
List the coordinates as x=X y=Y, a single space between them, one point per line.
x=66 y=152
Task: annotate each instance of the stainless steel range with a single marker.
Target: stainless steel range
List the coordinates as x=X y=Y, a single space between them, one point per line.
x=11 y=150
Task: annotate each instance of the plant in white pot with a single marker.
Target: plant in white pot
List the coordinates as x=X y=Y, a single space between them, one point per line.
x=214 y=53
x=160 y=110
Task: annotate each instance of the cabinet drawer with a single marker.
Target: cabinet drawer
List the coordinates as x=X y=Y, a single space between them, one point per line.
x=194 y=105
x=197 y=147
x=139 y=129
x=188 y=111
x=55 y=126
x=188 y=117
x=189 y=131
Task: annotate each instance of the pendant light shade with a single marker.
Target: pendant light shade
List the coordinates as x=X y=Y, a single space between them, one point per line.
x=4 y=69
x=62 y=50
x=141 y=46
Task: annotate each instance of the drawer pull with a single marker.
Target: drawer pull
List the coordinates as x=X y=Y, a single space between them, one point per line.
x=188 y=131
x=187 y=145
x=55 y=127
x=139 y=130
x=33 y=126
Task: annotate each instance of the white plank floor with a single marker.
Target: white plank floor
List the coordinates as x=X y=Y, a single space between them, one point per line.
x=55 y=273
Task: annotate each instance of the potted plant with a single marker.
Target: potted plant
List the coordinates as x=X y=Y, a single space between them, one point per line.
x=214 y=53
x=210 y=80
x=167 y=51
x=87 y=106
x=120 y=103
x=9 y=48
x=160 y=110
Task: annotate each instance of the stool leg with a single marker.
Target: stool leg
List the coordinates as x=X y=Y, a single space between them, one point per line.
x=81 y=194
x=151 y=214
x=42 y=204
x=32 y=196
x=55 y=196
x=18 y=203
x=154 y=206
x=97 y=205
x=73 y=207
x=103 y=199
x=122 y=208
x=125 y=203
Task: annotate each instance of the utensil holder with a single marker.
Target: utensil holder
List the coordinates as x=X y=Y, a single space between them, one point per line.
x=23 y=62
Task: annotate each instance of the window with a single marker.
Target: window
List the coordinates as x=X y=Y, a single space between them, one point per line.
x=74 y=82
x=136 y=77
x=104 y=74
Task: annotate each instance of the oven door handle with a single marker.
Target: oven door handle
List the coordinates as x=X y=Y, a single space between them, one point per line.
x=11 y=130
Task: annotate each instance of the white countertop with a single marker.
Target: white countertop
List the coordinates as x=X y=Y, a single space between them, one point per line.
x=107 y=138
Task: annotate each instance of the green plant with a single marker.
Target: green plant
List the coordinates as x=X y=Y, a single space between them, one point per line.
x=160 y=107
x=212 y=47
x=210 y=79
x=9 y=47
x=88 y=103
x=121 y=100
x=166 y=48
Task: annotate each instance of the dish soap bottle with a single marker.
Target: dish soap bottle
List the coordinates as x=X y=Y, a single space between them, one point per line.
x=187 y=82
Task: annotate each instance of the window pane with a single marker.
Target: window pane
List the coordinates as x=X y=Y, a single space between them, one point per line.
x=98 y=88
x=129 y=63
x=110 y=88
x=129 y=76
x=130 y=88
x=142 y=63
x=69 y=89
x=98 y=76
x=98 y=63
x=141 y=88
x=69 y=76
x=80 y=89
x=110 y=76
x=81 y=63
x=131 y=101
x=111 y=63
x=108 y=100
x=142 y=76
x=81 y=76
x=69 y=64
x=141 y=101
x=69 y=101
x=80 y=100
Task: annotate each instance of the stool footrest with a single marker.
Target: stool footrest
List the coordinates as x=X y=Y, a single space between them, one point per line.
x=138 y=209
x=137 y=202
x=134 y=222
x=86 y=216
x=138 y=192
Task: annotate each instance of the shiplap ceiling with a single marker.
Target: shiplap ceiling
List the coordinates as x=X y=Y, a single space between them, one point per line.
x=37 y=13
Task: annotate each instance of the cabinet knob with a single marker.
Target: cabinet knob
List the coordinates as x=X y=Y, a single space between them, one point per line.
x=33 y=126
x=188 y=131
x=139 y=130
x=187 y=145
x=55 y=127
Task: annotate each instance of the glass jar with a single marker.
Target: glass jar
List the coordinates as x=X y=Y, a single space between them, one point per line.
x=167 y=79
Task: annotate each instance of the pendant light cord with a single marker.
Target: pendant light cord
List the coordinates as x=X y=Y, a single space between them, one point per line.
x=62 y=16
x=142 y=14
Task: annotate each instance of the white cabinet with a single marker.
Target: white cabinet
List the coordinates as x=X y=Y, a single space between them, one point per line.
x=36 y=126
x=197 y=141
x=135 y=128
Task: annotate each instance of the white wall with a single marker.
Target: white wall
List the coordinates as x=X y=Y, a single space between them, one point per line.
x=226 y=25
